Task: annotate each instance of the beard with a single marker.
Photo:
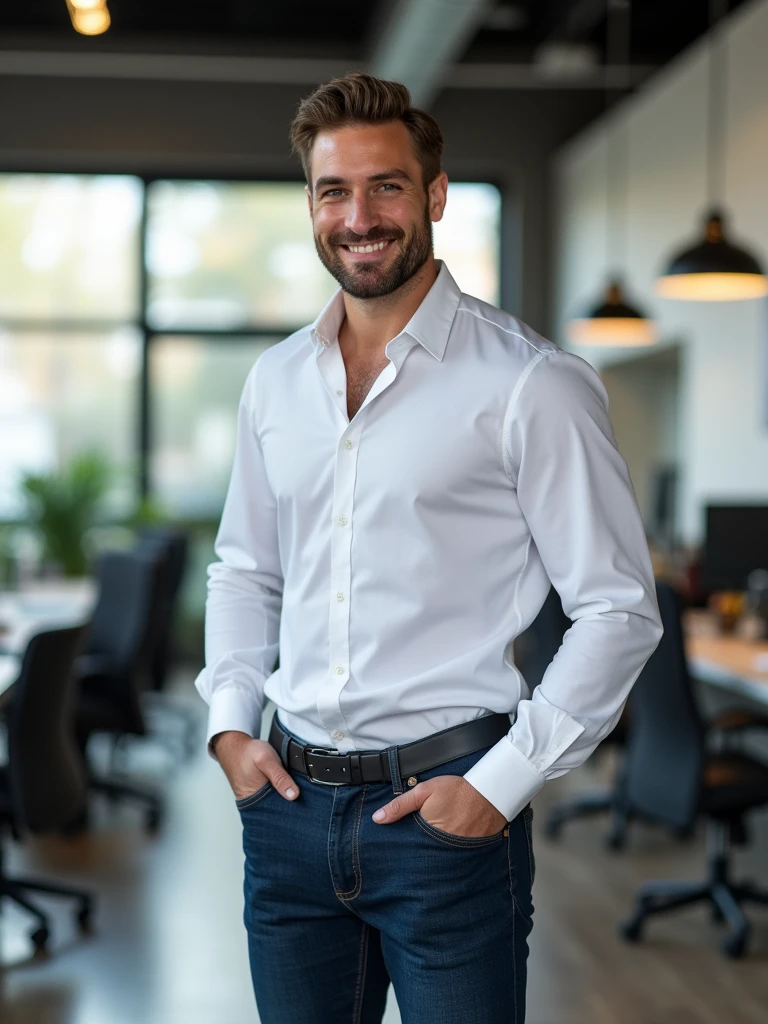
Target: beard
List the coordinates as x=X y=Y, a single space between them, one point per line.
x=370 y=280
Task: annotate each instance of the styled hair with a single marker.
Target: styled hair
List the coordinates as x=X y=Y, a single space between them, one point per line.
x=358 y=99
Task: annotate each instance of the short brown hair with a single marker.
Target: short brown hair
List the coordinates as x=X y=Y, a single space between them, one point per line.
x=359 y=98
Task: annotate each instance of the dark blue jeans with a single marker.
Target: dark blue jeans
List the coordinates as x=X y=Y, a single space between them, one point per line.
x=336 y=906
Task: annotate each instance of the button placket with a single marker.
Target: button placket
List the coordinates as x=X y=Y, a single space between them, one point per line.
x=345 y=472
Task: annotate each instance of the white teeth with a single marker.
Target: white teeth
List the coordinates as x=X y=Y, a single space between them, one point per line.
x=366 y=248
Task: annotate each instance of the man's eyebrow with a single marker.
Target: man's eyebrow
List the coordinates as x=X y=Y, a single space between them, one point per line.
x=395 y=174
x=328 y=179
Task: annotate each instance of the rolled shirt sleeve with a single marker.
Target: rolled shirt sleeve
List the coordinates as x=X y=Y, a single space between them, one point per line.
x=242 y=615
x=575 y=493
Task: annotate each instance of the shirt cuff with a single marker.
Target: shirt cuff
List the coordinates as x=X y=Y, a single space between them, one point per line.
x=232 y=710
x=506 y=778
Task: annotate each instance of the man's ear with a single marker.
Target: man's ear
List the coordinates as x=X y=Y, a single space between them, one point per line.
x=308 y=190
x=438 y=194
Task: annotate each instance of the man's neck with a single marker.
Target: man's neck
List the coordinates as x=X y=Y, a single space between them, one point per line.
x=371 y=323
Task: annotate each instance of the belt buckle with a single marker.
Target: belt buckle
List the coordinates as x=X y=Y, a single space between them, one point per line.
x=326 y=753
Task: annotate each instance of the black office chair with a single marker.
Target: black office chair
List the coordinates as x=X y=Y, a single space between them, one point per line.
x=534 y=651
x=171 y=547
x=43 y=787
x=114 y=670
x=672 y=778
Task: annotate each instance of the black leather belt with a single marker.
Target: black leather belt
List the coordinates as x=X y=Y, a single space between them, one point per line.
x=327 y=766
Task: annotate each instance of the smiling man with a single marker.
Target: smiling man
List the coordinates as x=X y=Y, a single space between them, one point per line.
x=411 y=473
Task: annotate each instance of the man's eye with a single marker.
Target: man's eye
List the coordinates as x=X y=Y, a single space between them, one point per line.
x=389 y=185
x=332 y=192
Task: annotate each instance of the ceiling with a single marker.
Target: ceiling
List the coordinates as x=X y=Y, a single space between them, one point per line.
x=512 y=29
x=506 y=38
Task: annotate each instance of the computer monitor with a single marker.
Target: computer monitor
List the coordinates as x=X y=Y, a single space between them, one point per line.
x=735 y=543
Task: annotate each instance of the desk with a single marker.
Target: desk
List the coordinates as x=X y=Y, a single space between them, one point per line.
x=49 y=605
x=729 y=662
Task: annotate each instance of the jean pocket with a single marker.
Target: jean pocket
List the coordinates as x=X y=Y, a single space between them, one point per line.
x=253 y=798
x=448 y=839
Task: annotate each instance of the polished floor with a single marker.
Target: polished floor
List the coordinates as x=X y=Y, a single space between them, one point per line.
x=169 y=943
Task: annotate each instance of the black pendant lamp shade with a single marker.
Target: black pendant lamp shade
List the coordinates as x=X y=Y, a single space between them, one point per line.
x=613 y=322
x=714 y=269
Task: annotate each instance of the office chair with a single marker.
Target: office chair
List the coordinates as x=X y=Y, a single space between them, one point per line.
x=43 y=787
x=534 y=651
x=170 y=546
x=114 y=670
x=672 y=778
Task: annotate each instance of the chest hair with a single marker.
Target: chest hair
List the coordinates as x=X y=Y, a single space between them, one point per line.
x=360 y=379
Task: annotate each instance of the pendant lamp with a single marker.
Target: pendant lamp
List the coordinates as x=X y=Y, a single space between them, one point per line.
x=614 y=321
x=714 y=269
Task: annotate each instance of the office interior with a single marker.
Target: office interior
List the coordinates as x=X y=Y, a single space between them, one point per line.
x=154 y=240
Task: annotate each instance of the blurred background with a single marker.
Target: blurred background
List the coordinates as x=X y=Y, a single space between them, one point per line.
x=608 y=168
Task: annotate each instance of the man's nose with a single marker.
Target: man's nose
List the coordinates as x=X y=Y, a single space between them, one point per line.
x=361 y=216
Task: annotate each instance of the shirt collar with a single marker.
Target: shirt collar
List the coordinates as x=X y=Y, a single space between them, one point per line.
x=430 y=325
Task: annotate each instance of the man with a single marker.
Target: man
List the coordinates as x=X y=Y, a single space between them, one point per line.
x=411 y=472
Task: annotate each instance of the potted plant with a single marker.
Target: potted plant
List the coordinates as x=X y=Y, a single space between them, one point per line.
x=64 y=505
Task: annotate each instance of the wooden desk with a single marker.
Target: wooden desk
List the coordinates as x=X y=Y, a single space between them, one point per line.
x=726 y=661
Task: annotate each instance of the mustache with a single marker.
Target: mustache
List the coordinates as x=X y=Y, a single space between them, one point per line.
x=374 y=235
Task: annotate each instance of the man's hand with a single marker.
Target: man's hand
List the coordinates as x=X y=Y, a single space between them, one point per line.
x=249 y=764
x=448 y=802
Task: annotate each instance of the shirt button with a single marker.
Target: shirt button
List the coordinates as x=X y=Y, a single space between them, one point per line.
x=342 y=520
x=339 y=392
x=339 y=596
x=347 y=444
x=339 y=670
x=337 y=735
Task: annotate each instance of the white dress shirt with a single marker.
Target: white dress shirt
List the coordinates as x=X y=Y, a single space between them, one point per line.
x=393 y=558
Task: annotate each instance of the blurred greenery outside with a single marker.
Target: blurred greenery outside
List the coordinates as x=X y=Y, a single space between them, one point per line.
x=221 y=257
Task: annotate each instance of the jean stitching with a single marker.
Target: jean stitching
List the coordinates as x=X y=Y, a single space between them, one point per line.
x=461 y=842
x=354 y=893
x=362 y=965
x=254 y=798
x=514 y=966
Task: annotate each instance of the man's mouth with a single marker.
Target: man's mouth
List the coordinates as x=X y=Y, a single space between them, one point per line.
x=370 y=247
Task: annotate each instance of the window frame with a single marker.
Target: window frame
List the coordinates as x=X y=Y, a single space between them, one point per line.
x=143 y=423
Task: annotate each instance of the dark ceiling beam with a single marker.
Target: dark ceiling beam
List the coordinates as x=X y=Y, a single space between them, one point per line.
x=578 y=20
x=421 y=41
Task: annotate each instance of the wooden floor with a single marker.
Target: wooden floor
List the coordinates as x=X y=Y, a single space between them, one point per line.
x=169 y=947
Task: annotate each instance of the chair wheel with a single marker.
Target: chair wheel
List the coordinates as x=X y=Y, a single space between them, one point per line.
x=39 y=939
x=84 y=919
x=631 y=931
x=616 y=841
x=552 y=828
x=735 y=946
x=153 y=819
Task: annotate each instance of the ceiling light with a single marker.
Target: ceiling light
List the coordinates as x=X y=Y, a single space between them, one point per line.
x=89 y=18
x=613 y=323
x=714 y=269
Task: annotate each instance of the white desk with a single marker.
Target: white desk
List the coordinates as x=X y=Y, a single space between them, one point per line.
x=48 y=605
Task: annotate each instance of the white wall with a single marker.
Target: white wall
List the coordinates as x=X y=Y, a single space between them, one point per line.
x=724 y=370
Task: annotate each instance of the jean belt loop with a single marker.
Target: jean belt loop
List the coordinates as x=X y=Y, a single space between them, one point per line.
x=394 y=771
x=284 y=750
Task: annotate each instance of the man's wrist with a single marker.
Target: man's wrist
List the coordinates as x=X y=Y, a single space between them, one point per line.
x=215 y=744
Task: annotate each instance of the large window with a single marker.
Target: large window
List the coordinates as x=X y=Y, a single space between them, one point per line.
x=132 y=310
